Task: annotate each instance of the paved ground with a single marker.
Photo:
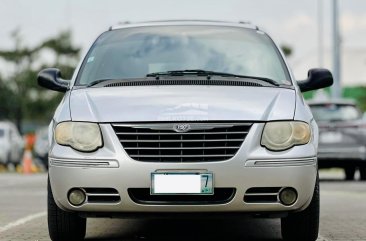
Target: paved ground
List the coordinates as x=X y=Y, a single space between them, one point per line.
x=23 y=216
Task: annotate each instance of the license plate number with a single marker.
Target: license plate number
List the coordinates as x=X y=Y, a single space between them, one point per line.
x=182 y=183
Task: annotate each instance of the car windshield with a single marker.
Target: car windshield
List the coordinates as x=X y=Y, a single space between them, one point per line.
x=135 y=52
x=335 y=112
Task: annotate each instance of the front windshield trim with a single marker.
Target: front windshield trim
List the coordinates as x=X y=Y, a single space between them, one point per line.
x=288 y=81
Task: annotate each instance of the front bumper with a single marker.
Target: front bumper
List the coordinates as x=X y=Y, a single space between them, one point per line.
x=302 y=178
x=3 y=157
x=251 y=167
x=342 y=154
x=355 y=152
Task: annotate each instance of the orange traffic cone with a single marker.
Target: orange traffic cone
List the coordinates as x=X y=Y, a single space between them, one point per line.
x=27 y=162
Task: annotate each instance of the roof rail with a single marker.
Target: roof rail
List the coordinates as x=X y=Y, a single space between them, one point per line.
x=123 y=23
x=249 y=23
x=119 y=23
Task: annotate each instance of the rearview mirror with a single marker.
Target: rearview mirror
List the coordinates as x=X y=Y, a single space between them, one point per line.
x=51 y=79
x=317 y=79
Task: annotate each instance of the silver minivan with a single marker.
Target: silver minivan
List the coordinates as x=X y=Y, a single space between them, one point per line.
x=11 y=144
x=183 y=117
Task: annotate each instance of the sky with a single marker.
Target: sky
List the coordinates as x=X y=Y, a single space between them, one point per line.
x=291 y=22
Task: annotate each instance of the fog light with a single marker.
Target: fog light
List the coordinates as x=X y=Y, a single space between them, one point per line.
x=288 y=196
x=76 y=197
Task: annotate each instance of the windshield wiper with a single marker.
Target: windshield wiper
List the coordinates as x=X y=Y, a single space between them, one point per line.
x=200 y=72
x=197 y=72
x=95 y=82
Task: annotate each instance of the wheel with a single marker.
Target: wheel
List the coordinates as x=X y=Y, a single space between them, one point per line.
x=62 y=225
x=8 y=159
x=350 y=173
x=45 y=161
x=10 y=167
x=9 y=164
x=304 y=225
x=362 y=173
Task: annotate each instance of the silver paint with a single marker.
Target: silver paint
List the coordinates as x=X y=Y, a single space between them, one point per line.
x=252 y=166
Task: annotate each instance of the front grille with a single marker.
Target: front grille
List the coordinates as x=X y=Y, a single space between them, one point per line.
x=143 y=196
x=159 y=142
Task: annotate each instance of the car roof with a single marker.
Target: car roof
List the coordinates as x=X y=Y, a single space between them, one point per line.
x=335 y=101
x=5 y=124
x=128 y=24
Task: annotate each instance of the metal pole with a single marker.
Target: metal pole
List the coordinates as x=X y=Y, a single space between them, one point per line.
x=320 y=34
x=336 y=88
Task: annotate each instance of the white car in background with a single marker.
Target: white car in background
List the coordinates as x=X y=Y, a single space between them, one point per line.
x=11 y=143
x=41 y=146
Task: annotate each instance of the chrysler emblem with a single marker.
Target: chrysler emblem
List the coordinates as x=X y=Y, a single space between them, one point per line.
x=181 y=127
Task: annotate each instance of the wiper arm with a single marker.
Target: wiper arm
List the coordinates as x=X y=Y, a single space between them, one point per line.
x=201 y=72
x=268 y=80
x=95 y=82
x=180 y=73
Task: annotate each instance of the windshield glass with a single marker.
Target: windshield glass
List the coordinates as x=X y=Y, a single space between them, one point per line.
x=135 y=52
x=335 y=112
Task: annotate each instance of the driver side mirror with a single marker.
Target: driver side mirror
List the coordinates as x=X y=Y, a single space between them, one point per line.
x=317 y=79
x=51 y=79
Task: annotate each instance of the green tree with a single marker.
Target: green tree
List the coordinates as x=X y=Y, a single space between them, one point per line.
x=28 y=100
x=6 y=101
x=287 y=50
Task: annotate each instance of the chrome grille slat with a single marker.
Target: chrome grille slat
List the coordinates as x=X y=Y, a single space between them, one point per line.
x=157 y=156
x=103 y=194
x=187 y=133
x=203 y=142
x=184 y=148
x=262 y=194
x=98 y=195
x=179 y=141
x=165 y=126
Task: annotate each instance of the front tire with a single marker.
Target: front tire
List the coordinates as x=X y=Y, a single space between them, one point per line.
x=62 y=225
x=9 y=164
x=350 y=173
x=362 y=173
x=304 y=225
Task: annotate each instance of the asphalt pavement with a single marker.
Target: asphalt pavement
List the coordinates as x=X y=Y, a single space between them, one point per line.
x=23 y=216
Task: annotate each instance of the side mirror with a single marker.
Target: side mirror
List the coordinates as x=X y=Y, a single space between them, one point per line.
x=51 y=79
x=317 y=79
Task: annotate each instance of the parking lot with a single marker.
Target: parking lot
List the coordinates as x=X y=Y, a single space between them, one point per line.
x=23 y=216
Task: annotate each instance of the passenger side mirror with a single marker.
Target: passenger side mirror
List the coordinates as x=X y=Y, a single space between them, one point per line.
x=317 y=79
x=51 y=79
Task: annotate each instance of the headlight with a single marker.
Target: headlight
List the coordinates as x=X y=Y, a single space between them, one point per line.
x=81 y=136
x=282 y=135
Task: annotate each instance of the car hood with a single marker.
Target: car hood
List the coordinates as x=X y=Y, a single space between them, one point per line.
x=181 y=103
